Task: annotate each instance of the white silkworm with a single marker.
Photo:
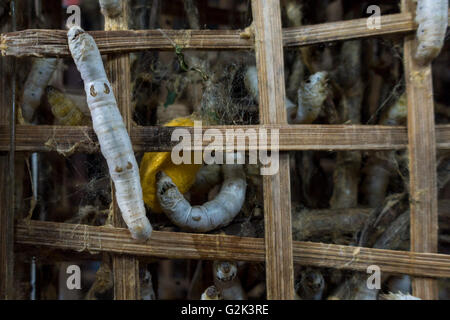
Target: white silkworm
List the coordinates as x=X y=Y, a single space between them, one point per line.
x=111 y=8
x=226 y=280
x=432 y=17
x=311 y=96
x=211 y=293
x=311 y=285
x=37 y=80
x=207 y=177
x=112 y=135
x=398 y=296
x=213 y=214
x=147 y=291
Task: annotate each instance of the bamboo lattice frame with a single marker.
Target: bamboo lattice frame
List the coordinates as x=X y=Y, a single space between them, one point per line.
x=277 y=249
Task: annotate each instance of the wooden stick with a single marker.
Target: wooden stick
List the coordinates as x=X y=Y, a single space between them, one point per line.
x=291 y=137
x=6 y=185
x=179 y=245
x=422 y=159
x=44 y=42
x=125 y=268
x=277 y=195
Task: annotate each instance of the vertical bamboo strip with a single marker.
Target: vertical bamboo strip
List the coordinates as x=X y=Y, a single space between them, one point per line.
x=125 y=268
x=422 y=159
x=277 y=198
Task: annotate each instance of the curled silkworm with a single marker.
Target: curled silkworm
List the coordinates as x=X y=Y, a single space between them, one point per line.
x=207 y=177
x=398 y=296
x=64 y=109
x=112 y=135
x=432 y=17
x=311 y=96
x=216 y=213
x=310 y=285
x=226 y=280
x=37 y=80
x=111 y=8
x=211 y=293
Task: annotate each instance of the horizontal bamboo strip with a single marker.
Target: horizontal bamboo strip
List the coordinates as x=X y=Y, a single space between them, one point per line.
x=178 y=245
x=291 y=137
x=44 y=42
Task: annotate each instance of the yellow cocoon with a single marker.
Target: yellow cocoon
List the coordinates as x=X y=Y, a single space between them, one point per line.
x=183 y=175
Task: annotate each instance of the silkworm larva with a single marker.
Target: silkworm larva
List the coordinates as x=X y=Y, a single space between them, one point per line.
x=398 y=296
x=192 y=14
x=216 y=213
x=64 y=109
x=378 y=172
x=396 y=114
x=207 y=177
x=211 y=293
x=381 y=166
x=346 y=180
x=356 y=287
x=111 y=8
x=311 y=96
x=112 y=135
x=309 y=225
x=432 y=17
x=226 y=280
x=311 y=285
x=37 y=80
x=147 y=291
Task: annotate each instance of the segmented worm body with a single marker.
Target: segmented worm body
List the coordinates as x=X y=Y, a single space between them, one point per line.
x=311 y=96
x=226 y=280
x=111 y=8
x=108 y=124
x=432 y=17
x=207 y=177
x=381 y=166
x=310 y=285
x=398 y=296
x=37 y=80
x=213 y=214
x=211 y=293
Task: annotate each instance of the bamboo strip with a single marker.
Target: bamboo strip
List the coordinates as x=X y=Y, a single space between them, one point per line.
x=179 y=245
x=422 y=160
x=43 y=42
x=291 y=137
x=277 y=193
